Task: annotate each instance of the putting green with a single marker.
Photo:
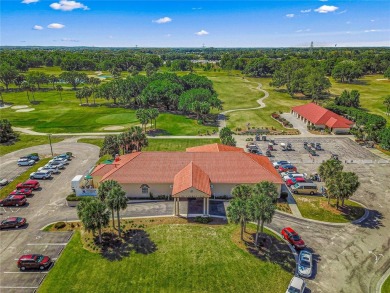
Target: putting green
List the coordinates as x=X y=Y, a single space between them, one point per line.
x=120 y=118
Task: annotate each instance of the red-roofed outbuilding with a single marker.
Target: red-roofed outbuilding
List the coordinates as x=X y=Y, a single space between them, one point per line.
x=315 y=115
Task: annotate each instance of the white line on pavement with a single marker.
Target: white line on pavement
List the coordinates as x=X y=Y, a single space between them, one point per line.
x=46 y=244
x=4 y=287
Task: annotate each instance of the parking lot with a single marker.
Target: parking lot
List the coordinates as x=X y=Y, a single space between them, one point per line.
x=45 y=206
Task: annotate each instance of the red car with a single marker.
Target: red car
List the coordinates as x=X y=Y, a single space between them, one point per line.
x=287 y=167
x=13 y=222
x=22 y=191
x=34 y=261
x=13 y=200
x=291 y=236
x=31 y=184
x=294 y=180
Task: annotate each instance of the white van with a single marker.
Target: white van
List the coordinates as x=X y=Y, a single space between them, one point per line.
x=304 y=188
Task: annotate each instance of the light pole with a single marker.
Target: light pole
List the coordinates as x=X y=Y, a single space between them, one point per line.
x=51 y=148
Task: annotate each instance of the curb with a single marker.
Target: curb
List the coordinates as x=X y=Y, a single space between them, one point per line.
x=381 y=281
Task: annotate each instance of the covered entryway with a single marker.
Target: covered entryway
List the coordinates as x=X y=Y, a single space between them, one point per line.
x=191 y=182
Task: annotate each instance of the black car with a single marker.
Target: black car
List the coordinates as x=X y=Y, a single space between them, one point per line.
x=34 y=157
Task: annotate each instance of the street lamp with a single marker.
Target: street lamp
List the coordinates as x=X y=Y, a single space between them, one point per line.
x=51 y=148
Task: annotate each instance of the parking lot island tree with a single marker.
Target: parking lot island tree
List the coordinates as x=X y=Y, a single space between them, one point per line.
x=243 y=191
x=342 y=186
x=238 y=212
x=226 y=136
x=117 y=201
x=94 y=215
x=329 y=169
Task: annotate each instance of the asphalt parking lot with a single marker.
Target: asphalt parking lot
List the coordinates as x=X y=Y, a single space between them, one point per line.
x=45 y=206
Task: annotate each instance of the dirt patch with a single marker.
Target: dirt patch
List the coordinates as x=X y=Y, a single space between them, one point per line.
x=25 y=110
x=19 y=107
x=114 y=128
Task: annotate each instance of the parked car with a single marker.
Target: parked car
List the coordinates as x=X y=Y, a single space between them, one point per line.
x=13 y=200
x=34 y=157
x=34 y=261
x=287 y=173
x=52 y=169
x=293 y=181
x=13 y=222
x=22 y=191
x=64 y=156
x=26 y=162
x=61 y=160
x=32 y=184
x=304 y=188
x=305 y=264
x=293 y=238
x=297 y=285
x=279 y=163
x=3 y=182
x=293 y=175
x=57 y=164
x=40 y=175
x=287 y=167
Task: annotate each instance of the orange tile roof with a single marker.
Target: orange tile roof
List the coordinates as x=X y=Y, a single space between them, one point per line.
x=221 y=167
x=214 y=147
x=191 y=176
x=102 y=169
x=321 y=116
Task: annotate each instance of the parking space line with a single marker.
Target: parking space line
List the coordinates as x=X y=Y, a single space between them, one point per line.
x=46 y=244
x=6 y=287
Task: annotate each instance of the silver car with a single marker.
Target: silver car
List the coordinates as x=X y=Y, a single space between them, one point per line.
x=59 y=165
x=305 y=264
x=52 y=169
x=297 y=285
x=61 y=160
x=40 y=175
x=25 y=162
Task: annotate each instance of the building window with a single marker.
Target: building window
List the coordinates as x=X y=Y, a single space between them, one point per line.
x=144 y=189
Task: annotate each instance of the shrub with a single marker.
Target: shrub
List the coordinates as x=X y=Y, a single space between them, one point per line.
x=73 y=197
x=59 y=225
x=203 y=220
x=284 y=195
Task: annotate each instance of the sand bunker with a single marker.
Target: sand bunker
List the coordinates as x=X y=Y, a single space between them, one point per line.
x=25 y=110
x=382 y=79
x=114 y=128
x=19 y=107
x=4 y=106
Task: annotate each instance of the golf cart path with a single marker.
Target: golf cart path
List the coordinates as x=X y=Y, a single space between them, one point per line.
x=222 y=115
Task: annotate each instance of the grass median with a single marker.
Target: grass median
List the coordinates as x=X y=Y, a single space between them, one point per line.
x=317 y=208
x=171 y=255
x=6 y=190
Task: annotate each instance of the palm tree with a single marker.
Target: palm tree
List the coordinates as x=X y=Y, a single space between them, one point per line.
x=87 y=93
x=52 y=79
x=237 y=212
x=32 y=90
x=117 y=201
x=94 y=216
x=2 y=89
x=153 y=114
x=327 y=170
x=266 y=188
x=138 y=138
x=94 y=83
x=59 y=89
x=244 y=192
x=26 y=87
x=80 y=95
x=104 y=190
x=350 y=183
x=262 y=210
x=386 y=102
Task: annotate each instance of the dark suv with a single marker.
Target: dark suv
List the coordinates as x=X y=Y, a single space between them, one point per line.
x=13 y=200
x=13 y=222
x=34 y=261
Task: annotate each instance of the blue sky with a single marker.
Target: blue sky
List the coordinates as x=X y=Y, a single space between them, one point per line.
x=192 y=24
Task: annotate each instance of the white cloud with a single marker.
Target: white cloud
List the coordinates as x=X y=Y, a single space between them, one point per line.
x=165 y=19
x=303 y=30
x=290 y=15
x=373 y=31
x=56 y=26
x=326 y=9
x=323 y=0
x=341 y=12
x=168 y=35
x=29 y=1
x=69 y=40
x=348 y=22
x=196 y=8
x=305 y=11
x=202 y=33
x=66 y=5
x=37 y=27
x=372 y=20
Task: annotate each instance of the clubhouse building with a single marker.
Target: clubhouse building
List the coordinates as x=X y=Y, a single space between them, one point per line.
x=203 y=172
x=322 y=118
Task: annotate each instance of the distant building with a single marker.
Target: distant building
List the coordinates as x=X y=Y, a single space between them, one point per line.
x=322 y=118
x=200 y=172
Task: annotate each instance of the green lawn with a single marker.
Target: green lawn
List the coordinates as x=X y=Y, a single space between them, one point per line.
x=170 y=258
x=26 y=141
x=22 y=177
x=317 y=208
x=156 y=144
x=386 y=286
x=372 y=89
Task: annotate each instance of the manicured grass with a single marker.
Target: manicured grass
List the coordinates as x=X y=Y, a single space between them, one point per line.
x=317 y=208
x=180 y=125
x=168 y=258
x=386 y=286
x=156 y=144
x=22 y=177
x=26 y=141
x=372 y=89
